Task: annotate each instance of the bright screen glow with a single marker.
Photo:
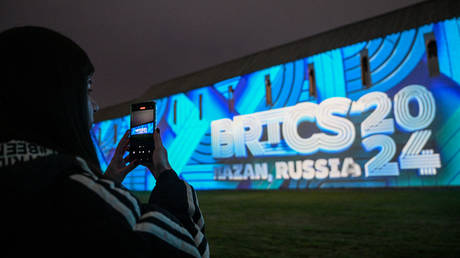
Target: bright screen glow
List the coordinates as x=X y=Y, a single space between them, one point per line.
x=142 y=129
x=401 y=130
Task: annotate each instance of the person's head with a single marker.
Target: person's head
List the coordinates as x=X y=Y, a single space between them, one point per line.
x=45 y=81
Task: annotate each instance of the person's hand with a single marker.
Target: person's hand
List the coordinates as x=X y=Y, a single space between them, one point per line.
x=159 y=157
x=117 y=169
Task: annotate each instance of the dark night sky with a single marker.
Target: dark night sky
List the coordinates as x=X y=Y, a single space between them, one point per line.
x=135 y=44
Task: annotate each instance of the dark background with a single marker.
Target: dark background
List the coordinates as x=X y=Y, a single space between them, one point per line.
x=135 y=44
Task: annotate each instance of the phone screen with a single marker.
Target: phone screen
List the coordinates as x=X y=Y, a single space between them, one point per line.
x=141 y=133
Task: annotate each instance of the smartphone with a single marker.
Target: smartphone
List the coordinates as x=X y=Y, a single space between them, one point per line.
x=143 y=121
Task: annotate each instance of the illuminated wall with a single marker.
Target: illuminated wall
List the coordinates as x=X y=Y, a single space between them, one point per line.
x=399 y=129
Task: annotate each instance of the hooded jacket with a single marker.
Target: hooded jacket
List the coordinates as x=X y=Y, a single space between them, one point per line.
x=54 y=205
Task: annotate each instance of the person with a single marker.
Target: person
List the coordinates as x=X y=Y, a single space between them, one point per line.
x=56 y=201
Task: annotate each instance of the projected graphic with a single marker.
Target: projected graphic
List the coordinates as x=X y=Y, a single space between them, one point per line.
x=142 y=129
x=380 y=113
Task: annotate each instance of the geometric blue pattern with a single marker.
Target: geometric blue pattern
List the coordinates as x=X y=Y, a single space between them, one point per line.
x=395 y=61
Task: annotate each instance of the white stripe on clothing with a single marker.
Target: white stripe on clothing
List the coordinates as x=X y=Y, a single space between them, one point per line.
x=167 y=237
x=198 y=238
x=168 y=221
x=206 y=253
x=85 y=166
x=191 y=204
x=201 y=222
x=107 y=197
x=126 y=194
x=194 y=205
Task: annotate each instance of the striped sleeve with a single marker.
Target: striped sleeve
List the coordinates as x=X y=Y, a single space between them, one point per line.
x=160 y=226
x=161 y=233
x=178 y=197
x=198 y=221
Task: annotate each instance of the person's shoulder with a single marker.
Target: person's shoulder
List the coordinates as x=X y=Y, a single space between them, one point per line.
x=40 y=173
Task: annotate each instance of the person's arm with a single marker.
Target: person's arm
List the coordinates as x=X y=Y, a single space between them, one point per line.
x=177 y=196
x=111 y=221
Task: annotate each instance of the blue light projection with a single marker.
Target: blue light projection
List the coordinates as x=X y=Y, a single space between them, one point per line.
x=401 y=130
x=142 y=129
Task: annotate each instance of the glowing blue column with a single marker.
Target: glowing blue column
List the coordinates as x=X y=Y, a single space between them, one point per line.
x=330 y=79
x=448 y=39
